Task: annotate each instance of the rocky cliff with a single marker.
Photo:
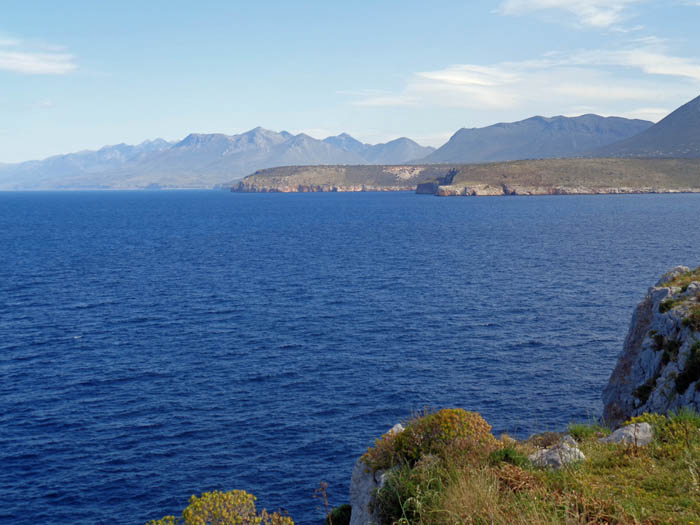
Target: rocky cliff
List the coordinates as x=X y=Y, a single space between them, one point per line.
x=659 y=368
x=293 y=179
x=532 y=177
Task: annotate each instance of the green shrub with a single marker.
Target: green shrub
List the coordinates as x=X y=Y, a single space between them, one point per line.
x=412 y=493
x=383 y=454
x=236 y=507
x=545 y=439
x=581 y=431
x=692 y=320
x=679 y=428
x=451 y=431
x=666 y=305
x=671 y=348
x=691 y=371
x=340 y=515
x=508 y=455
x=684 y=279
x=642 y=392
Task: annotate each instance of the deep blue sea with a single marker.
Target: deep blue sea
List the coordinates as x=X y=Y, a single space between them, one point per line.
x=154 y=345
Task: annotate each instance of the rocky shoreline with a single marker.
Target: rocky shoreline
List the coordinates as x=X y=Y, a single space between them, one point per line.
x=315 y=188
x=656 y=377
x=486 y=190
x=529 y=177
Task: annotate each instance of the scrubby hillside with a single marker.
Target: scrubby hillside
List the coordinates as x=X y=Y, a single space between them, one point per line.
x=338 y=178
x=533 y=177
x=446 y=468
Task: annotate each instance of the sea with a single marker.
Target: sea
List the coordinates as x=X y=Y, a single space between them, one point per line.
x=160 y=344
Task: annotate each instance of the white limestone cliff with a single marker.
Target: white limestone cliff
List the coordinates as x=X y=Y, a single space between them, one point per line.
x=657 y=369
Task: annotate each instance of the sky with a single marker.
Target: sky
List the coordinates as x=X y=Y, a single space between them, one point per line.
x=78 y=75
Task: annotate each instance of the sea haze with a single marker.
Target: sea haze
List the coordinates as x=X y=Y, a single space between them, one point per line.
x=154 y=345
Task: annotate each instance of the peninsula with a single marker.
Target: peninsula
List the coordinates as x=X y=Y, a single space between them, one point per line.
x=524 y=177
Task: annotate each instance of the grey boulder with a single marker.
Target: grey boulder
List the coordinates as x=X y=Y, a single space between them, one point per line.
x=639 y=434
x=557 y=456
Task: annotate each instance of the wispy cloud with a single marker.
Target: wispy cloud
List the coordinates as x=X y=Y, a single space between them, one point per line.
x=44 y=104
x=592 y=13
x=17 y=57
x=643 y=75
x=376 y=97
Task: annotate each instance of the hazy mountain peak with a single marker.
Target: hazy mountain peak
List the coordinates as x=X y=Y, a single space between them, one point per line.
x=535 y=137
x=677 y=135
x=347 y=143
x=201 y=139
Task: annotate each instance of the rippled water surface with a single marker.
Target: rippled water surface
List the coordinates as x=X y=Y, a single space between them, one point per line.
x=155 y=345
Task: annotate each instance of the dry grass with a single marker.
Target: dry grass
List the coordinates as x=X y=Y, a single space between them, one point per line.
x=659 y=174
x=619 y=484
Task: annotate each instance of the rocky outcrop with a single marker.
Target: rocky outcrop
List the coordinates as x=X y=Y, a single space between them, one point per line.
x=480 y=190
x=427 y=188
x=304 y=179
x=243 y=187
x=363 y=486
x=531 y=177
x=558 y=456
x=659 y=368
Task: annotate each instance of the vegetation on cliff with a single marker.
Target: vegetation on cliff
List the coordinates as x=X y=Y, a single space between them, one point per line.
x=452 y=472
x=236 y=507
x=536 y=177
x=338 y=178
x=659 y=367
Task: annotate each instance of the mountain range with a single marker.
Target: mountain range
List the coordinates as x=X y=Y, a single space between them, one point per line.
x=199 y=160
x=676 y=136
x=209 y=160
x=535 y=138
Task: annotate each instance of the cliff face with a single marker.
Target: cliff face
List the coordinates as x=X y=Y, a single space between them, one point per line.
x=298 y=179
x=659 y=368
x=535 y=177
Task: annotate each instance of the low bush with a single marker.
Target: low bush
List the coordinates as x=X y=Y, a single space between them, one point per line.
x=448 y=432
x=451 y=431
x=667 y=305
x=413 y=493
x=681 y=428
x=692 y=320
x=684 y=279
x=508 y=455
x=691 y=371
x=671 y=348
x=340 y=515
x=236 y=507
x=581 y=431
x=642 y=392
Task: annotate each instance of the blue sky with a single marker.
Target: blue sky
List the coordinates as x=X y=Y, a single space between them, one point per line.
x=78 y=75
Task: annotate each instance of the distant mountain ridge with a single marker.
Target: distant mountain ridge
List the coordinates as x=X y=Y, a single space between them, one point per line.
x=199 y=160
x=215 y=159
x=676 y=136
x=535 y=138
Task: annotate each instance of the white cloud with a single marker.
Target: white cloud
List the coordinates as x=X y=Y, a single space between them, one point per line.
x=639 y=82
x=44 y=104
x=15 y=57
x=653 y=114
x=376 y=97
x=9 y=42
x=593 y=13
